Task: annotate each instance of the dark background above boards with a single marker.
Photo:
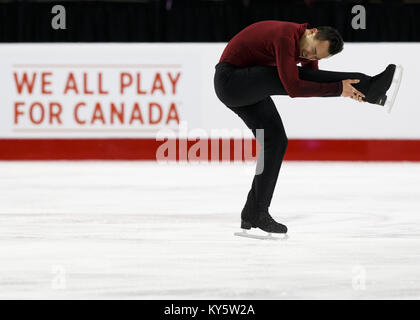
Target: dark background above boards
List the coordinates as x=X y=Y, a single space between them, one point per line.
x=199 y=20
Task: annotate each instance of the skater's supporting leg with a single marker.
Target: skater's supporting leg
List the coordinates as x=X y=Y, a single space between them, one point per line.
x=264 y=115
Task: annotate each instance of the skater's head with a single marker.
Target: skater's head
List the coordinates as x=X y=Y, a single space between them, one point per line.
x=319 y=43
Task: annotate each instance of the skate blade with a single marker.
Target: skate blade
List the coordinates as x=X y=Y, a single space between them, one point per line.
x=395 y=86
x=269 y=236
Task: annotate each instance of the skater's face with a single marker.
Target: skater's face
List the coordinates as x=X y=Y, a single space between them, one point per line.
x=314 y=49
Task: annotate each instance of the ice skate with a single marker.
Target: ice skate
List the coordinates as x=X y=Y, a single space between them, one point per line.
x=395 y=86
x=381 y=83
x=266 y=223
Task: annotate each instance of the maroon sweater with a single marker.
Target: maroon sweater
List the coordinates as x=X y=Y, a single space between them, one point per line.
x=276 y=43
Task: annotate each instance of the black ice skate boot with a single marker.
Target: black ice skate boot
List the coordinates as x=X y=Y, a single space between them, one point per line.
x=265 y=222
x=379 y=85
x=248 y=217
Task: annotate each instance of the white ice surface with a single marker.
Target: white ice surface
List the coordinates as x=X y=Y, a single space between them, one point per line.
x=136 y=230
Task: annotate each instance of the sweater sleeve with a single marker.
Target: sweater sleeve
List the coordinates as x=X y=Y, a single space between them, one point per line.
x=289 y=75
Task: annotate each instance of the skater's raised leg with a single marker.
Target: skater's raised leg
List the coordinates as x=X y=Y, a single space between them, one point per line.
x=244 y=86
x=374 y=88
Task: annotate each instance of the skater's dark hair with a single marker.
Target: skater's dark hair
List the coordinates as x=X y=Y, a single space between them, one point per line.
x=332 y=35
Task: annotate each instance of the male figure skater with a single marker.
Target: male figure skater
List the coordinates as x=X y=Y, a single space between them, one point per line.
x=261 y=61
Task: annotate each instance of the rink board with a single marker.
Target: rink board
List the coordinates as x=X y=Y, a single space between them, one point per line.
x=113 y=101
x=145 y=149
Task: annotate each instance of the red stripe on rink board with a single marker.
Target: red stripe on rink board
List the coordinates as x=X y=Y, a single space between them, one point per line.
x=145 y=149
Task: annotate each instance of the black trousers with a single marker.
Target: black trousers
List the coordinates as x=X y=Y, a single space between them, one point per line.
x=246 y=91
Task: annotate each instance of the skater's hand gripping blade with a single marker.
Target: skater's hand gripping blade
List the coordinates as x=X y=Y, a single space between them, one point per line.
x=268 y=236
x=395 y=86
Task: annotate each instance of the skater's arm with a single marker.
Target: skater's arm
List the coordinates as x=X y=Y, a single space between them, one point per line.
x=289 y=75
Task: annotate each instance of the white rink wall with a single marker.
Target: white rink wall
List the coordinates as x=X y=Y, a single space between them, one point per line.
x=192 y=93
